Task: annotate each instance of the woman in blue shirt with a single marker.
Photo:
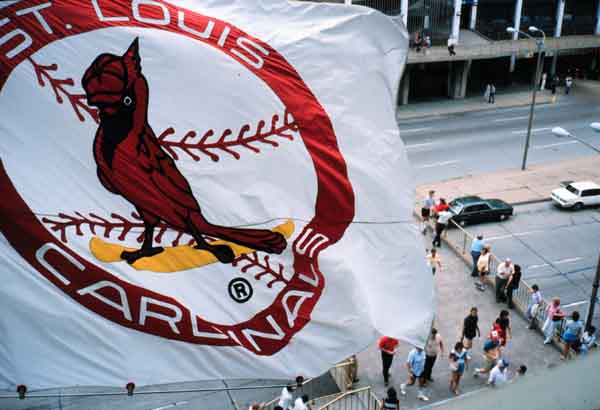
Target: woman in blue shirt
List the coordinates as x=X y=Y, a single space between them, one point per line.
x=571 y=334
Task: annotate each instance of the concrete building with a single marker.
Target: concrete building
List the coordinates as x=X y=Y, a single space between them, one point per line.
x=485 y=51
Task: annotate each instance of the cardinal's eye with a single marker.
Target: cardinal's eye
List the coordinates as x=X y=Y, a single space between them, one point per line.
x=127 y=101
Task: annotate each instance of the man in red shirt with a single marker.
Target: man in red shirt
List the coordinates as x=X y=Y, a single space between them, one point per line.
x=387 y=345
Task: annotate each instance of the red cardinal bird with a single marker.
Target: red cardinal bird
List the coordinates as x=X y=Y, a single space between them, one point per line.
x=131 y=162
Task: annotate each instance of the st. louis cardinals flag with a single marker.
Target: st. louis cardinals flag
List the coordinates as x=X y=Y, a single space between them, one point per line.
x=201 y=189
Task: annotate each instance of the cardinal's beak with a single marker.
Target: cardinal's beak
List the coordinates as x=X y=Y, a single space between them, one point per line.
x=106 y=103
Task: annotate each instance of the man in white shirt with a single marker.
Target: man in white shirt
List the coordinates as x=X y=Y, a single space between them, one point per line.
x=440 y=225
x=505 y=269
x=301 y=403
x=286 y=399
x=498 y=374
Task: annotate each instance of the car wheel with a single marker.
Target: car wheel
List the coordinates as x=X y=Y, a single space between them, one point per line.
x=463 y=223
x=503 y=217
x=577 y=206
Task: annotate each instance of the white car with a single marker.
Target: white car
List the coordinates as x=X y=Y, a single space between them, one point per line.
x=576 y=195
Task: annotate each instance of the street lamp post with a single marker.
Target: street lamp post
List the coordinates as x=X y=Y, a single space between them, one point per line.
x=561 y=132
x=590 y=315
x=540 y=46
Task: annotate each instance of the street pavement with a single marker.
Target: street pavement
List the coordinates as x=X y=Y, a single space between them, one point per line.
x=442 y=146
x=557 y=249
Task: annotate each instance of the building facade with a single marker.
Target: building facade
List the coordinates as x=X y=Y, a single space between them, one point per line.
x=474 y=24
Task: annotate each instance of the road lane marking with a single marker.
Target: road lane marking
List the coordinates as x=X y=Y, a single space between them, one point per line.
x=511 y=235
x=581 y=302
x=568 y=260
x=415 y=130
x=511 y=119
x=437 y=164
x=532 y=131
x=170 y=406
x=425 y=144
x=543 y=265
x=557 y=144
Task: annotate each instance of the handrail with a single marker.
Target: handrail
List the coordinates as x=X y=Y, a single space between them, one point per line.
x=346 y=394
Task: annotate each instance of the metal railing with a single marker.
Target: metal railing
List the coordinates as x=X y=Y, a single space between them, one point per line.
x=342 y=374
x=460 y=240
x=359 y=399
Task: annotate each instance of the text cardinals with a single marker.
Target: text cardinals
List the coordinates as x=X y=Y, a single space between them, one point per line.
x=152 y=311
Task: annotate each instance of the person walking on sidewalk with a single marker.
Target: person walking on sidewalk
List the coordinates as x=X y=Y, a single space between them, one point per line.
x=502 y=326
x=487 y=92
x=476 y=248
x=492 y=99
x=543 y=82
x=503 y=273
x=391 y=402
x=534 y=306
x=572 y=334
x=554 y=315
x=440 y=225
x=433 y=347
x=568 y=84
x=458 y=359
x=426 y=210
x=470 y=330
x=491 y=353
x=415 y=364
x=483 y=267
x=434 y=261
x=387 y=345
x=512 y=285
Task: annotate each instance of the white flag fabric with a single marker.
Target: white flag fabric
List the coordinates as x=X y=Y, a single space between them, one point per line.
x=201 y=190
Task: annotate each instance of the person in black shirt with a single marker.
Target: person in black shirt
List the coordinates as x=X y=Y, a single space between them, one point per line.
x=470 y=330
x=512 y=285
x=391 y=402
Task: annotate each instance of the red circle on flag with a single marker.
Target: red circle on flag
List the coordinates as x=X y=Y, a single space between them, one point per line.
x=334 y=207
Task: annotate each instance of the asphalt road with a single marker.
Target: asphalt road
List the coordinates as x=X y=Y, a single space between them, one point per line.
x=557 y=249
x=442 y=147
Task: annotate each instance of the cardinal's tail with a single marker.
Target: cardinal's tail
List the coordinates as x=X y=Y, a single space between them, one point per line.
x=258 y=239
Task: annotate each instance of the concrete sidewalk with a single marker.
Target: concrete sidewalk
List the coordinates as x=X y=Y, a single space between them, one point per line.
x=504 y=99
x=515 y=186
x=455 y=296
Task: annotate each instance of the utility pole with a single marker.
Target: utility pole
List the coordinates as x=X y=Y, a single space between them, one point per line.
x=595 y=285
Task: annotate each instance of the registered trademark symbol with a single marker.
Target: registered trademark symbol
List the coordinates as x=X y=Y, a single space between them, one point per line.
x=240 y=290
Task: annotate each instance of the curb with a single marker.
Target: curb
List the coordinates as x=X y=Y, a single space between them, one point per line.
x=441 y=114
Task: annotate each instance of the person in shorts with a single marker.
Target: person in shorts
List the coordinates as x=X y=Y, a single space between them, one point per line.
x=458 y=358
x=572 y=334
x=415 y=364
x=426 y=210
x=491 y=354
x=470 y=330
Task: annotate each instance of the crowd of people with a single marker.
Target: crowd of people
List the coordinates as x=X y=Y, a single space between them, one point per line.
x=421 y=361
x=574 y=336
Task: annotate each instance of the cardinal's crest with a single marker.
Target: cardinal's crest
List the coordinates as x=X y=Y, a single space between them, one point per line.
x=238 y=141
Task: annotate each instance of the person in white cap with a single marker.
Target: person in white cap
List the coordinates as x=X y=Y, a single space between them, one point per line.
x=504 y=271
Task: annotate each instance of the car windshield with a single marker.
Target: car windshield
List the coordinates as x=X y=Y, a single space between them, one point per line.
x=572 y=189
x=456 y=206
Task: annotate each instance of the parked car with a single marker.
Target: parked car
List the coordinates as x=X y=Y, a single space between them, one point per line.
x=473 y=209
x=576 y=195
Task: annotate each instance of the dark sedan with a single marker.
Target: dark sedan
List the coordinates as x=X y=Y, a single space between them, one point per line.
x=473 y=209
